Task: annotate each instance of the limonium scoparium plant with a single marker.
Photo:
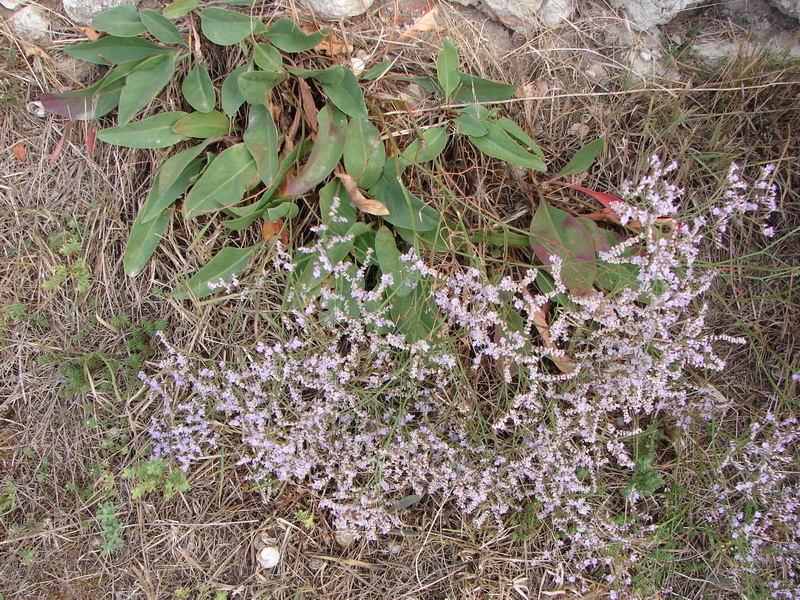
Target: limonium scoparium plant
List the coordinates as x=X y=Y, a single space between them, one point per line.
x=343 y=404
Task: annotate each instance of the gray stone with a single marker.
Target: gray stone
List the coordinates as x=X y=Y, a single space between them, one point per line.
x=338 y=9
x=788 y=7
x=523 y=15
x=646 y=14
x=83 y=11
x=31 y=24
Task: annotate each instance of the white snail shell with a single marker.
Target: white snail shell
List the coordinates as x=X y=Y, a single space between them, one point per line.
x=345 y=537
x=268 y=557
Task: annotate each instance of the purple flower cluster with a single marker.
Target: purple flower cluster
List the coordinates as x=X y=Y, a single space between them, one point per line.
x=343 y=404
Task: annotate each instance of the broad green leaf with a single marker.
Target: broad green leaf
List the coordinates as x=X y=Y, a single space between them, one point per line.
x=122 y=21
x=287 y=36
x=555 y=232
x=315 y=270
x=427 y=148
x=179 y=8
x=498 y=144
x=112 y=50
x=327 y=151
x=142 y=242
x=389 y=260
x=203 y=125
x=267 y=57
x=226 y=264
x=478 y=89
x=175 y=165
x=198 y=89
x=284 y=210
x=347 y=95
x=161 y=27
x=256 y=85
x=519 y=134
x=158 y=201
x=376 y=71
x=503 y=238
x=469 y=125
x=223 y=183
x=227 y=27
x=415 y=314
x=405 y=209
x=364 y=152
x=143 y=84
x=339 y=215
x=330 y=76
x=446 y=65
x=582 y=160
x=232 y=98
x=261 y=139
x=153 y=132
x=404 y=503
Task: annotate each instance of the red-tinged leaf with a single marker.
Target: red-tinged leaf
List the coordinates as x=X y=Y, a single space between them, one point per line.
x=91 y=138
x=60 y=144
x=602 y=197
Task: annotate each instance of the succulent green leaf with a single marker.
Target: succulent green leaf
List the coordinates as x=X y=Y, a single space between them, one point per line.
x=519 y=134
x=582 y=159
x=364 y=152
x=346 y=95
x=158 y=201
x=287 y=36
x=227 y=27
x=121 y=21
x=404 y=503
x=255 y=86
x=226 y=264
x=142 y=242
x=175 y=165
x=498 y=144
x=179 y=8
x=154 y=132
x=332 y=126
x=267 y=57
x=376 y=71
x=222 y=184
x=198 y=89
x=426 y=148
x=478 y=89
x=557 y=233
x=143 y=84
x=469 y=125
x=261 y=139
x=446 y=65
x=203 y=125
x=389 y=261
x=405 y=209
x=232 y=98
x=113 y=50
x=161 y=27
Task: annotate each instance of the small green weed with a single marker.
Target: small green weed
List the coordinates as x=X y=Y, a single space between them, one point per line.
x=112 y=529
x=150 y=475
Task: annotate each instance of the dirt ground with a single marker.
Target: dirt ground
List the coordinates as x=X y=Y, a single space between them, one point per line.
x=75 y=330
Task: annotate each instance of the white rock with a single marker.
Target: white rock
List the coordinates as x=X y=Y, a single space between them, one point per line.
x=11 y=4
x=646 y=14
x=83 y=11
x=523 y=15
x=31 y=23
x=269 y=557
x=338 y=9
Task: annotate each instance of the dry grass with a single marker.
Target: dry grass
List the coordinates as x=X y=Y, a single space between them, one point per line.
x=65 y=439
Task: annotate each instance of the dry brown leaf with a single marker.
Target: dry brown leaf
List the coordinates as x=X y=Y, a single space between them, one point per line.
x=426 y=22
x=91 y=33
x=272 y=230
x=19 y=152
x=310 y=110
x=34 y=50
x=368 y=205
x=333 y=46
x=564 y=363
